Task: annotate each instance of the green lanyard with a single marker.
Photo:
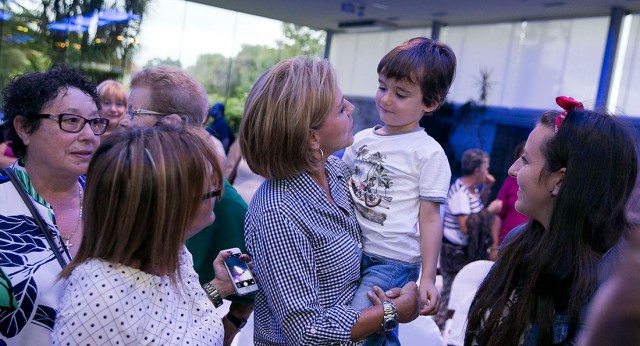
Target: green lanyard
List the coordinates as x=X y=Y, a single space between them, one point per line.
x=7 y=299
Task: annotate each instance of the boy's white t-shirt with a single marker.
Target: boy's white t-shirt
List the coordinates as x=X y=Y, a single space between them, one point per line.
x=390 y=175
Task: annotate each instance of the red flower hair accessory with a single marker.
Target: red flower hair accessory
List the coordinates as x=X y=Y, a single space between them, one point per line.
x=568 y=104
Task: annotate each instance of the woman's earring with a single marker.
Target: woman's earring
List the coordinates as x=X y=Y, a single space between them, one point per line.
x=314 y=158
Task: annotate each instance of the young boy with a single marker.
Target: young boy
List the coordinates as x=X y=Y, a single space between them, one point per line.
x=400 y=176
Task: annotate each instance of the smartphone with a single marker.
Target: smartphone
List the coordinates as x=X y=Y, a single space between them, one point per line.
x=243 y=280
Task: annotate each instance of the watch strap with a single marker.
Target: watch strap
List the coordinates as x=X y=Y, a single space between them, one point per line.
x=213 y=294
x=238 y=322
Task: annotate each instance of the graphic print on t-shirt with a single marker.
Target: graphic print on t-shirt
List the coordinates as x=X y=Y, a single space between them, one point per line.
x=370 y=184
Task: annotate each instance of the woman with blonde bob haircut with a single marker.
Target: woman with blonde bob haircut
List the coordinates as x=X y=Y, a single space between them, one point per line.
x=291 y=98
x=301 y=230
x=148 y=189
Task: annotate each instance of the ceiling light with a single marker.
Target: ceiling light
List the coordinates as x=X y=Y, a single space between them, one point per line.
x=365 y=25
x=553 y=4
x=380 y=6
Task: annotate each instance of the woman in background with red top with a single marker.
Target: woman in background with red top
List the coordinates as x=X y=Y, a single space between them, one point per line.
x=508 y=194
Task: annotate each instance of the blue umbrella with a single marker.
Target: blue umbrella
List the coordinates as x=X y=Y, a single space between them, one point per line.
x=19 y=38
x=68 y=25
x=5 y=15
x=82 y=23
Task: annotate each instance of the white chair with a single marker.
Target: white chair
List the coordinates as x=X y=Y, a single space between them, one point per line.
x=421 y=331
x=458 y=323
x=463 y=289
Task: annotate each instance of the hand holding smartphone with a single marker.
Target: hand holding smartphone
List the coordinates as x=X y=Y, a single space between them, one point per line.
x=239 y=272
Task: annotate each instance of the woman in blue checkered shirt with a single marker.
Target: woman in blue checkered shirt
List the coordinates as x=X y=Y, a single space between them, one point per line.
x=301 y=230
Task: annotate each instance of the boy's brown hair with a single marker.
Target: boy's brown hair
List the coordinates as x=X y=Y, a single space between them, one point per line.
x=423 y=61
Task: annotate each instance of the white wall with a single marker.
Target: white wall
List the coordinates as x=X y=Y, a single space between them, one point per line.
x=356 y=57
x=530 y=62
x=480 y=47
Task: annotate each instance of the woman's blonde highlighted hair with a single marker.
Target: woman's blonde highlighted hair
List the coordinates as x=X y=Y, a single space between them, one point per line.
x=286 y=102
x=144 y=187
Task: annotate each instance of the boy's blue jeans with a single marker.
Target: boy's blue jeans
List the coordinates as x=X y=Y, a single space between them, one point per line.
x=385 y=274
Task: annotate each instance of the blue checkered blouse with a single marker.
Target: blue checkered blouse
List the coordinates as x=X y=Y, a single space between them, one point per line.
x=306 y=256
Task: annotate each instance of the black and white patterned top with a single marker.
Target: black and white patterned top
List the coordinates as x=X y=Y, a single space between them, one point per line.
x=29 y=263
x=306 y=255
x=109 y=304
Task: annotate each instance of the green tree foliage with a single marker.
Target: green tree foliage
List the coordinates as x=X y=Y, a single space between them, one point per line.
x=16 y=61
x=301 y=40
x=18 y=56
x=250 y=63
x=212 y=71
x=100 y=53
x=163 y=62
x=229 y=80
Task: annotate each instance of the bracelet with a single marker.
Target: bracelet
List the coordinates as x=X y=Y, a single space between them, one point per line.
x=213 y=294
x=236 y=321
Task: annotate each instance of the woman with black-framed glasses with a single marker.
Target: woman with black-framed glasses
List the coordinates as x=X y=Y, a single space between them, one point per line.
x=73 y=123
x=53 y=125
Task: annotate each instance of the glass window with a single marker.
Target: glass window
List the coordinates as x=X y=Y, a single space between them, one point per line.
x=628 y=102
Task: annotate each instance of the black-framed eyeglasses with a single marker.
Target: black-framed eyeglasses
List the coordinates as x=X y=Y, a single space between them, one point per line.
x=215 y=193
x=132 y=112
x=74 y=123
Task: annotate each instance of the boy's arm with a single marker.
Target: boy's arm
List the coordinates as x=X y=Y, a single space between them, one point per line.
x=430 y=223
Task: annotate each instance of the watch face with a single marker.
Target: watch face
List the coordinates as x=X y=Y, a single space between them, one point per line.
x=390 y=324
